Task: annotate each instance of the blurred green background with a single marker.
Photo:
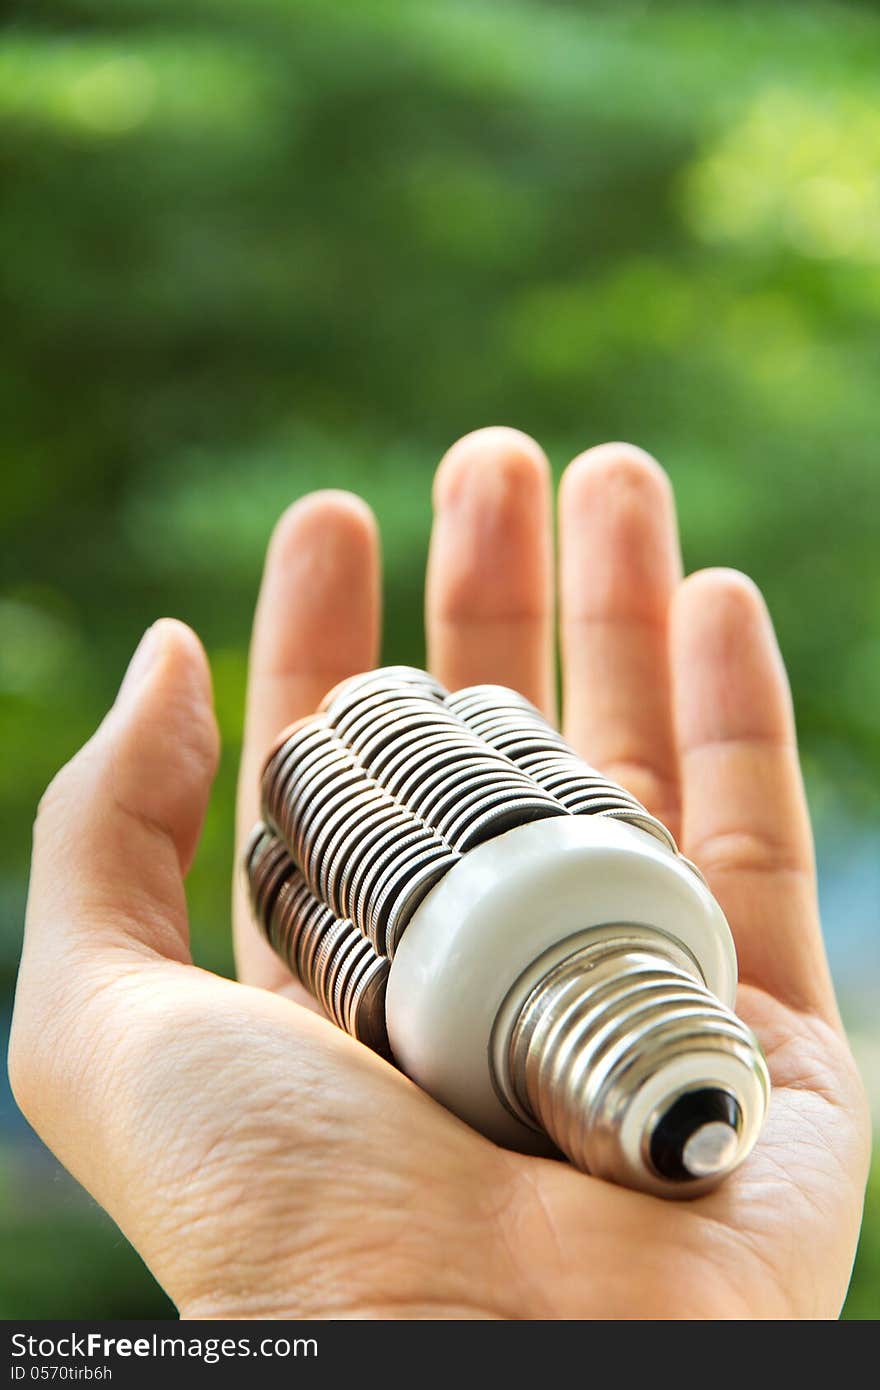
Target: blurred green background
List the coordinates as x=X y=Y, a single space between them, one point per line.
x=251 y=247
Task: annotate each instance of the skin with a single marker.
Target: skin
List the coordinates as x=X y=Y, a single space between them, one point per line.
x=263 y=1163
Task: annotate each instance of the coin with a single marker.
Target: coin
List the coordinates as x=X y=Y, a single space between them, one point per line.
x=354 y=854
x=343 y=970
x=366 y=1007
x=403 y=898
x=497 y=814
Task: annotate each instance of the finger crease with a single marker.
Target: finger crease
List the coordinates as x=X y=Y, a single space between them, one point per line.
x=745 y=852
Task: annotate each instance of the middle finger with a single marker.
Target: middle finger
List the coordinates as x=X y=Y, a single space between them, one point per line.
x=489 y=606
x=619 y=567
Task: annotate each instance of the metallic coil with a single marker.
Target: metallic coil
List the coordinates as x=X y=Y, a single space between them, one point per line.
x=332 y=959
x=510 y=724
x=617 y=1012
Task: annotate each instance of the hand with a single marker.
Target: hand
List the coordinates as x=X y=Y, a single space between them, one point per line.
x=263 y=1163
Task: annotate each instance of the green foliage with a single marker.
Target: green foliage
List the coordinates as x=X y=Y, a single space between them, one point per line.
x=71 y=1262
x=248 y=249
x=863 y=1300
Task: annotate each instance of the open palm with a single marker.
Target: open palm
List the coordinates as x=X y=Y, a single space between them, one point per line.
x=265 y=1164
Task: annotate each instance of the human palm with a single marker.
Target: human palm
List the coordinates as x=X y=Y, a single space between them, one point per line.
x=263 y=1163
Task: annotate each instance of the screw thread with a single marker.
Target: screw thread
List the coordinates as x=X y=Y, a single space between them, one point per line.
x=606 y=1021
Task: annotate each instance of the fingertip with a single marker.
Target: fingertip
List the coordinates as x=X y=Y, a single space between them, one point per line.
x=170 y=671
x=164 y=734
x=619 y=551
x=490 y=545
x=492 y=455
x=616 y=474
x=183 y=656
x=729 y=673
x=120 y=822
x=326 y=544
x=319 y=605
x=720 y=606
x=317 y=516
x=489 y=587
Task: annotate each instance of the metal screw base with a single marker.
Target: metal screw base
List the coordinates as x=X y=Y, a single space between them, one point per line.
x=636 y=1071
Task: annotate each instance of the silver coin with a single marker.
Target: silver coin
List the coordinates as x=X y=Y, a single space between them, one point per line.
x=342 y=971
x=402 y=703
x=336 y=829
x=303 y=816
x=580 y=804
x=518 y=745
x=280 y=798
x=655 y=827
x=285 y=748
x=361 y=963
x=307 y=919
x=388 y=858
x=261 y=844
x=494 y=696
x=313 y=932
x=415 y=676
x=422 y=877
x=269 y=887
x=352 y=838
x=297 y=741
x=428 y=784
x=565 y=779
x=485 y=821
x=376 y=710
x=330 y=950
x=505 y=723
x=491 y=719
x=458 y=791
x=287 y=916
x=290 y=755
x=547 y=771
x=259 y=858
x=366 y=1010
x=357 y=961
x=300 y=765
x=391 y=680
x=354 y=856
x=291 y=913
x=392 y=890
x=373 y=729
x=588 y=787
x=340 y=801
x=387 y=739
x=382 y=737
x=406 y=758
x=256 y=842
x=378 y=704
x=275 y=866
x=394 y=857
x=264 y=853
x=540 y=764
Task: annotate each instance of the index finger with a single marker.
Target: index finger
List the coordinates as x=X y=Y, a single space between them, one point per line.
x=317 y=622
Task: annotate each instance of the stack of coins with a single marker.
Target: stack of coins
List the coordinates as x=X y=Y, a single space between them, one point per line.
x=417 y=748
x=512 y=726
x=364 y=853
x=329 y=955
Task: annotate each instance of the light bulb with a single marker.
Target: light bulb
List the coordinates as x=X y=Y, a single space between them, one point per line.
x=467 y=896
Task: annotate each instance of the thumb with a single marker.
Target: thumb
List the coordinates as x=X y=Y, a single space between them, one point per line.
x=118 y=826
